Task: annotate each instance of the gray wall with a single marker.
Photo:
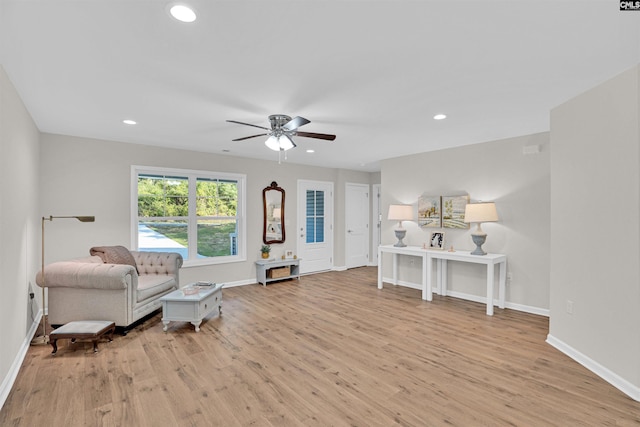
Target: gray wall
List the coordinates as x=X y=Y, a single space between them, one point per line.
x=19 y=229
x=493 y=171
x=595 y=234
x=83 y=176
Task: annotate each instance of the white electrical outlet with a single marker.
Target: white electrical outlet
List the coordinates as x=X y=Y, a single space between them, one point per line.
x=569 y=306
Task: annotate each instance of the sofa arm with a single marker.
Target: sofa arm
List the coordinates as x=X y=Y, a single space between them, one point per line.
x=168 y=263
x=69 y=274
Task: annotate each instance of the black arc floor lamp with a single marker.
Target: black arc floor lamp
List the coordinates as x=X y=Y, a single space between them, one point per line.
x=45 y=338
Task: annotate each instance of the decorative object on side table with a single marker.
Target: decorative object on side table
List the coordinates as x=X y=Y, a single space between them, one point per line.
x=479 y=213
x=437 y=240
x=265 y=249
x=45 y=338
x=400 y=213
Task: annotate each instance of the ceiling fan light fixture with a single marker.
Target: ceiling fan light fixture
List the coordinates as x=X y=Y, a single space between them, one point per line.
x=182 y=13
x=272 y=143
x=285 y=142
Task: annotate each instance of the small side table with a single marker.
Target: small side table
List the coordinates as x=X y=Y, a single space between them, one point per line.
x=271 y=270
x=83 y=329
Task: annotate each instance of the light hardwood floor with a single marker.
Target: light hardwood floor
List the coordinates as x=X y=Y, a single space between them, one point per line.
x=329 y=350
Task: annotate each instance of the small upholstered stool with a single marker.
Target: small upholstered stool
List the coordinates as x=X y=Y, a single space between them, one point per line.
x=84 y=329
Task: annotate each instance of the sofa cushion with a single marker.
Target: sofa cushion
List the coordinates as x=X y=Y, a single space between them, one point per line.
x=114 y=255
x=150 y=285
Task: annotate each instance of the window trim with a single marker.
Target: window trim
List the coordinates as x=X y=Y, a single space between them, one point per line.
x=241 y=216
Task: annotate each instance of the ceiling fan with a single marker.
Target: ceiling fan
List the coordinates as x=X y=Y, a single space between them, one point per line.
x=283 y=128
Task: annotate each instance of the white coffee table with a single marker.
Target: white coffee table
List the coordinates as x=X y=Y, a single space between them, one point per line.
x=191 y=308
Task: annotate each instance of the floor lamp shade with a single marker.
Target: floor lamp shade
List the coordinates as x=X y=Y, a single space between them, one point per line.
x=400 y=213
x=478 y=213
x=43 y=281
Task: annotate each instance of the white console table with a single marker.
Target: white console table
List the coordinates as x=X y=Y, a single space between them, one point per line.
x=427 y=255
x=416 y=251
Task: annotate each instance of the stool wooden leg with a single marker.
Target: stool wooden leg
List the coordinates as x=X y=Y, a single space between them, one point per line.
x=54 y=344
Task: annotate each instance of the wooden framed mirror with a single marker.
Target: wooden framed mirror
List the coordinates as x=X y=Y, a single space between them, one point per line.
x=273 y=214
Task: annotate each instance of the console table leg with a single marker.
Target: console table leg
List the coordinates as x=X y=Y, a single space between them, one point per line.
x=503 y=282
x=428 y=295
x=490 y=273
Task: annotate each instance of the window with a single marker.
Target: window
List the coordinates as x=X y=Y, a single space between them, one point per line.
x=198 y=214
x=315 y=216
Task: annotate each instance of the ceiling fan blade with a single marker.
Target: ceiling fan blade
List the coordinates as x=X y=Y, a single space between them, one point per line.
x=248 y=137
x=317 y=135
x=248 y=124
x=295 y=123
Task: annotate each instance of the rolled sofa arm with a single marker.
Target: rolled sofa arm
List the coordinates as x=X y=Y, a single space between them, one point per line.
x=70 y=274
x=168 y=263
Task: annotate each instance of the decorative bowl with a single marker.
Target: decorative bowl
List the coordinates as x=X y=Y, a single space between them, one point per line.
x=190 y=290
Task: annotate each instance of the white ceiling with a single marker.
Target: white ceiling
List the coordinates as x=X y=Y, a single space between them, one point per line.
x=372 y=72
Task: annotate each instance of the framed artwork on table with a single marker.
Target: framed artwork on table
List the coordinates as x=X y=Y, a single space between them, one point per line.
x=429 y=212
x=288 y=254
x=436 y=241
x=453 y=211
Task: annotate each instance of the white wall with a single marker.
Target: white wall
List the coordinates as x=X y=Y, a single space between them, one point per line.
x=83 y=176
x=19 y=231
x=595 y=234
x=493 y=171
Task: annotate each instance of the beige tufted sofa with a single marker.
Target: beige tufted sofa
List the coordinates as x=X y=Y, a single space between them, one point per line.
x=90 y=289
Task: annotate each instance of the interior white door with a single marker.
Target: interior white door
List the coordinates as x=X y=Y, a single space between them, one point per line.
x=315 y=226
x=357 y=225
x=376 y=215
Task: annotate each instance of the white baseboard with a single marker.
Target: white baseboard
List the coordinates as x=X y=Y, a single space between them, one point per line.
x=7 y=382
x=612 y=378
x=340 y=268
x=239 y=283
x=476 y=298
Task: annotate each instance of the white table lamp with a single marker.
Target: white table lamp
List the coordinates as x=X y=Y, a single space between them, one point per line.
x=479 y=213
x=400 y=213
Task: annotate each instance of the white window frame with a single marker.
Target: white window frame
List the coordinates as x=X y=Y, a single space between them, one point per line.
x=193 y=175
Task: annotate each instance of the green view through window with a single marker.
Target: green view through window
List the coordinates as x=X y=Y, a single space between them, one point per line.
x=198 y=214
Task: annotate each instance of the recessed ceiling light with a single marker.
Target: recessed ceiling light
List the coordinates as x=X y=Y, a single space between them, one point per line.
x=311 y=151
x=440 y=117
x=129 y=122
x=182 y=13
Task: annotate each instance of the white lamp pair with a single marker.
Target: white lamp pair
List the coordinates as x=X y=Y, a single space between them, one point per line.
x=474 y=213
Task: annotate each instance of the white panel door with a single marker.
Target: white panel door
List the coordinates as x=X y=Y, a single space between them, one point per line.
x=376 y=214
x=315 y=226
x=357 y=225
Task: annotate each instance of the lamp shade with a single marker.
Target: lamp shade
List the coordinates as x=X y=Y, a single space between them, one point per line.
x=480 y=212
x=400 y=212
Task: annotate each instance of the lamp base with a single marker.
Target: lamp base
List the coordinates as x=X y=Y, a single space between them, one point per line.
x=479 y=240
x=400 y=235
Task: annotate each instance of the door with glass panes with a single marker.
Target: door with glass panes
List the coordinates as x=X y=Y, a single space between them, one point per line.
x=315 y=226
